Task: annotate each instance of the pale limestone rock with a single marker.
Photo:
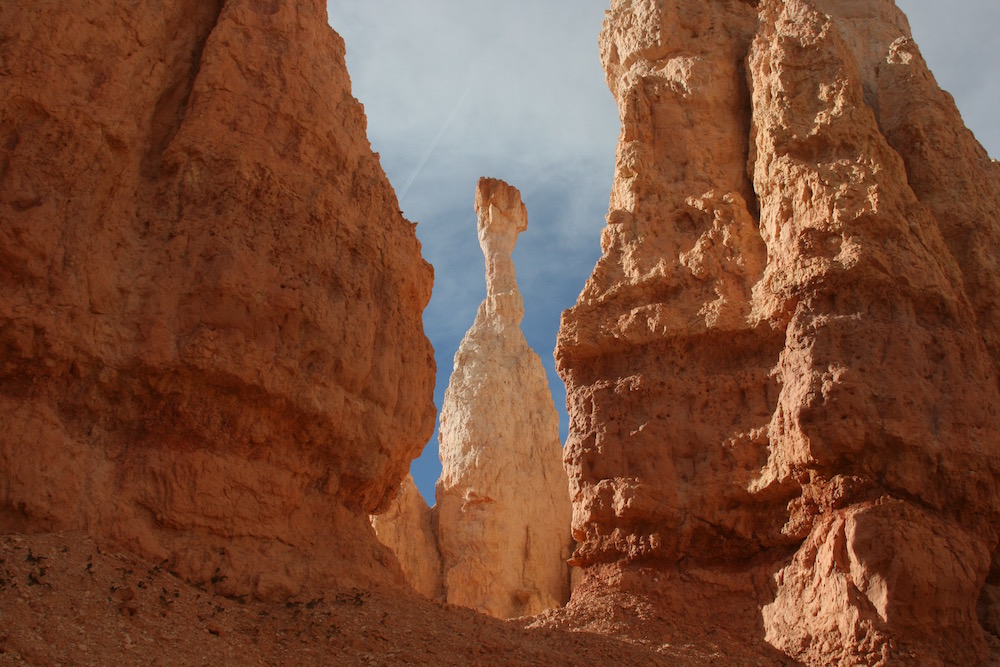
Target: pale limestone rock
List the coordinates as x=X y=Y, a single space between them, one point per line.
x=408 y=529
x=502 y=500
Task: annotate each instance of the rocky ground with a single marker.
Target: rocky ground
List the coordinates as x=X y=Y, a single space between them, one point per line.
x=63 y=601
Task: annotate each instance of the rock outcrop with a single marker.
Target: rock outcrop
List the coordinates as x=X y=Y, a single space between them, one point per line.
x=198 y=251
x=502 y=504
x=409 y=529
x=786 y=359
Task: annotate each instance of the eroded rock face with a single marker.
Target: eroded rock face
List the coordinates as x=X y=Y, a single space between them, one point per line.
x=409 y=529
x=502 y=505
x=789 y=344
x=198 y=251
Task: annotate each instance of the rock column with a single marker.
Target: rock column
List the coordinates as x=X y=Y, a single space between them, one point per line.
x=787 y=355
x=502 y=500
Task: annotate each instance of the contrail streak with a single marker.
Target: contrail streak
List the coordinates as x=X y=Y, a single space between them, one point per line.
x=434 y=143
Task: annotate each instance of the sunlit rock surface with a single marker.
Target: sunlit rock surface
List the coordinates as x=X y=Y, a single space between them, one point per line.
x=409 y=529
x=785 y=361
x=503 y=509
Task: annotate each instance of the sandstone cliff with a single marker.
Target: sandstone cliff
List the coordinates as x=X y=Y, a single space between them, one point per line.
x=785 y=362
x=502 y=505
x=198 y=251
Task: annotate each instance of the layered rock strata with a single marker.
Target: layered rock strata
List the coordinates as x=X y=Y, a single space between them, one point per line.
x=198 y=251
x=503 y=509
x=786 y=358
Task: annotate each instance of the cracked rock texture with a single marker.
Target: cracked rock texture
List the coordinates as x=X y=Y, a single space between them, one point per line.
x=502 y=507
x=197 y=250
x=786 y=360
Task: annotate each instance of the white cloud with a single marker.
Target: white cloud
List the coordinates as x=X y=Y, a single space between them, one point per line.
x=531 y=70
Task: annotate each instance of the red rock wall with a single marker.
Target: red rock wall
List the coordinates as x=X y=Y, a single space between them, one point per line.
x=789 y=345
x=210 y=323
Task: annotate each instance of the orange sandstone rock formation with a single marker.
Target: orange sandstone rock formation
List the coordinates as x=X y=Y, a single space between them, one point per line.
x=786 y=359
x=409 y=529
x=198 y=251
x=502 y=504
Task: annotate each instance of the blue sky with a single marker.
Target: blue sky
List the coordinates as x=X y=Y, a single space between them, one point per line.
x=458 y=89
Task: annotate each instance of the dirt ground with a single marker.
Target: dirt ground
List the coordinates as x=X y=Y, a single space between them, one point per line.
x=63 y=601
